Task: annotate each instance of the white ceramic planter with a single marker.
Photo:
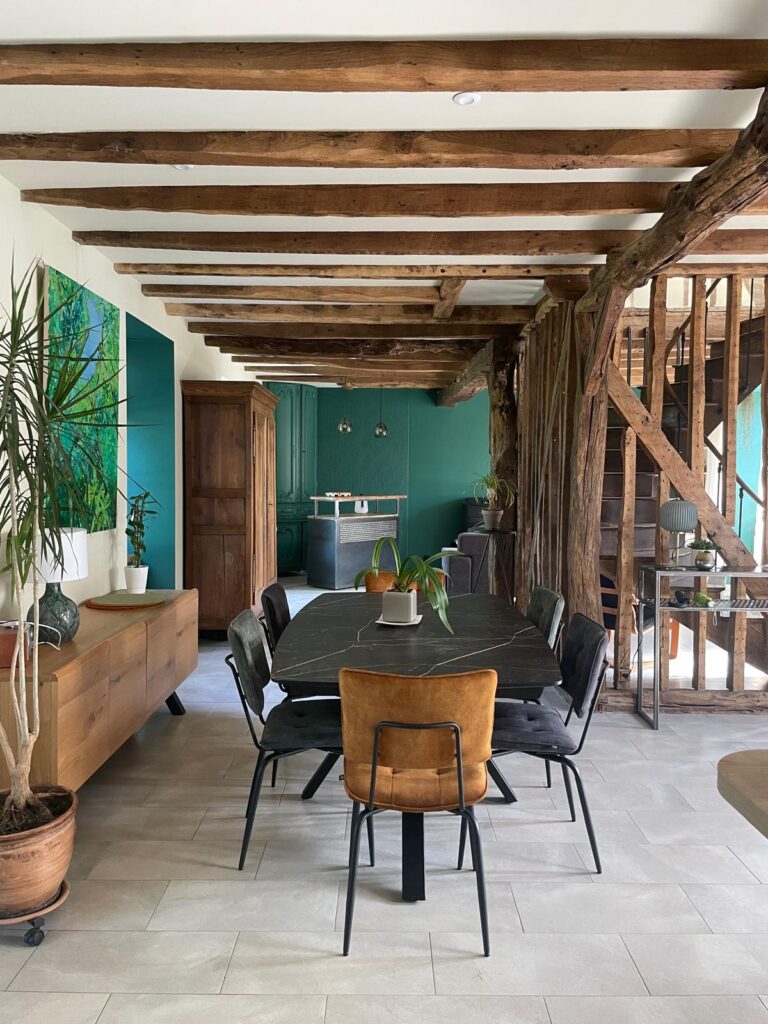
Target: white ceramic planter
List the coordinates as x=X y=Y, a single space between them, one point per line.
x=397 y=607
x=136 y=579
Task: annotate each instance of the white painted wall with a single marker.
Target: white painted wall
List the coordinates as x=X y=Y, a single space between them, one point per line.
x=28 y=232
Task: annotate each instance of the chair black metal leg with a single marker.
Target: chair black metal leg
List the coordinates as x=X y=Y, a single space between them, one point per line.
x=354 y=857
x=587 y=815
x=253 y=800
x=371 y=845
x=568 y=791
x=477 y=859
x=495 y=772
x=549 y=774
x=319 y=776
x=274 y=774
x=462 y=841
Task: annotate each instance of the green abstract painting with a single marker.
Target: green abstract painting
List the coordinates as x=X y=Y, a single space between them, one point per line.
x=85 y=326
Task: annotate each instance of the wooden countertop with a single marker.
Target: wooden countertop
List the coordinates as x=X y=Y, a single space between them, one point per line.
x=742 y=780
x=97 y=626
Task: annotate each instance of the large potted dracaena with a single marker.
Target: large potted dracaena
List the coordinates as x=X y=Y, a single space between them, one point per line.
x=45 y=410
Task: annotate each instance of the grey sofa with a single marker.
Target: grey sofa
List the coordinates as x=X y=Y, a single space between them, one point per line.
x=464 y=572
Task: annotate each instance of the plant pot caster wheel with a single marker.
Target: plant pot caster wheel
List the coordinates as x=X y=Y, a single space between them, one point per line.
x=34 y=935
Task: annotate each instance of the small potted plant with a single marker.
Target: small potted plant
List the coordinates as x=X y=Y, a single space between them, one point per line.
x=498 y=495
x=136 y=571
x=705 y=553
x=412 y=574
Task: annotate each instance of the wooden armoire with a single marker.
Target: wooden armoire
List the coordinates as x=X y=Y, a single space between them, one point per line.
x=229 y=496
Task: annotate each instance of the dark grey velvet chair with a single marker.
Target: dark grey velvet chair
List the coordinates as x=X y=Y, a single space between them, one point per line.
x=541 y=732
x=290 y=728
x=465 y=575
x=545 y=611
x=277 y=614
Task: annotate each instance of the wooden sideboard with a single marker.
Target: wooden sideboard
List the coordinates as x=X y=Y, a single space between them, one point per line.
x=103 y=685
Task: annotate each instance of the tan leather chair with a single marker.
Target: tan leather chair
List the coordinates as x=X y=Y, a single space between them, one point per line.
x=416 y=745
x=378 y=584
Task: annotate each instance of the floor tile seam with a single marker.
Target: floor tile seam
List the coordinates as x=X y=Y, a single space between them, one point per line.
x=634 y=964
x=154 y=911
x=229 y=962
x=104 y=1007
x=744 y=864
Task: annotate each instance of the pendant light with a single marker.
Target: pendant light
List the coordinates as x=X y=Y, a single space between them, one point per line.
x=380 y=430
x=344 y=426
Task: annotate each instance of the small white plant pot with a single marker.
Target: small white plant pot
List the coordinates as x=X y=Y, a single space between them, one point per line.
x=136 y=579
x=397 y=607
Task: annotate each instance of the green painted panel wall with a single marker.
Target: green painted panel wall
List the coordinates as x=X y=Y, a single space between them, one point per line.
x=151 y=441
x=430 y=454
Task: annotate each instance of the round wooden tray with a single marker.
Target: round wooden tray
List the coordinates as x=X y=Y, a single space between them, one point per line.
x=34 y=914
x=122 y=601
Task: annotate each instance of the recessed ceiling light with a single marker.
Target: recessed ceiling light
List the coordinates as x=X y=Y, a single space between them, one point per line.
x=183 y=167
x=466 y=99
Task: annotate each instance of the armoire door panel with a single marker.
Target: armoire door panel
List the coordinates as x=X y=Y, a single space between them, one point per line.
x=212 y=511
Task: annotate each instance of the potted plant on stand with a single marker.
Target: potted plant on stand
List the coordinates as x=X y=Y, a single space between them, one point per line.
x=705 y=553
x=411 y=575
x=499 y=495
x=46 y=403
x=136 y=571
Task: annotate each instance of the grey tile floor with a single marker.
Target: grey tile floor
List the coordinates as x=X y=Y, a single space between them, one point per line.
x=161 y=927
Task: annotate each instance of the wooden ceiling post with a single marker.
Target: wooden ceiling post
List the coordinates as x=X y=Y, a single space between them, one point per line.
x=504 y=354
x=449 y=294
x=657 y=343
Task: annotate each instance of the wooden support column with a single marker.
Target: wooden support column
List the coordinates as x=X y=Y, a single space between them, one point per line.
x=696 y=409
x=503 y=356
x=737 y=624
x=625 y=561
x=656 y=385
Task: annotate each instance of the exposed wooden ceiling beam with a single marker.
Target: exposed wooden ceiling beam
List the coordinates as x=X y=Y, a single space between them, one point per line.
x=498 y=65
x=358 y=369
x=383 y=362
x=351 y=381
x=519 y=199
x=301 y=293
x=470 y=381
x=419 y=271
x=449 y=294
x=235 y=331
x=334 y=348
x=361 y=314
x=397 y=243
x=531 y=149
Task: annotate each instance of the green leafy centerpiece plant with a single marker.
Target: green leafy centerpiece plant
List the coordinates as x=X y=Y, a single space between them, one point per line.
x=705 y=553
x=498 y=494
x=48 y=406
x=411 y=574
x=139 y=510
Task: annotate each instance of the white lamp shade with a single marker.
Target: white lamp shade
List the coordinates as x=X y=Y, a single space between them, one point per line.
x=74 y=566
x=678 y=516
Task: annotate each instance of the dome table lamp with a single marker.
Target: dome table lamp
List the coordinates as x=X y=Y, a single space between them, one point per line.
x=59 y=615
x=678 y=516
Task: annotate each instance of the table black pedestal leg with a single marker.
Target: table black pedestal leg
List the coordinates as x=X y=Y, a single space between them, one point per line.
x=319 y=776
x=174 y=704
x=495 y=772
x=413 y=857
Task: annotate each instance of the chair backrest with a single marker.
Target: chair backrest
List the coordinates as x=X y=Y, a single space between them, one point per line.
x=545 y=610
x=378 y=583
x=416 y=768
x=582 y=661
x=274 y=604
x=244 y=635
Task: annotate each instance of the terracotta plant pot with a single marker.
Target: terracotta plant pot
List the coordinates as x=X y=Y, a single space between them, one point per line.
x=379 y=584
x=492 y=518
x=33 y=864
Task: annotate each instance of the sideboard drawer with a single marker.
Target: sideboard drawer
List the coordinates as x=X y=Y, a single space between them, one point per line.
x=127 y=683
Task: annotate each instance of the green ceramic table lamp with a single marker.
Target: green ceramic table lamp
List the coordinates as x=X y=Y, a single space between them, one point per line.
x=59 y=615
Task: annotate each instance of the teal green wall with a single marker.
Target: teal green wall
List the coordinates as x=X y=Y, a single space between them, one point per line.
x=749 y=442
x=431 y=454
x=151 y=441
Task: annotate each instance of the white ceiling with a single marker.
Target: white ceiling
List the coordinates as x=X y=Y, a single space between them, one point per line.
x=61 y=109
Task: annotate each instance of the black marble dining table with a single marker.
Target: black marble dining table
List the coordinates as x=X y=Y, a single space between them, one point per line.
x=338 y=631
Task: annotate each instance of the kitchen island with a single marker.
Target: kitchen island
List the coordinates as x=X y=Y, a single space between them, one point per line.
x=340 y=542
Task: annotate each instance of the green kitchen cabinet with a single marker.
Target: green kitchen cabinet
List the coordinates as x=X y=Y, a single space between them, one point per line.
x=296 y=470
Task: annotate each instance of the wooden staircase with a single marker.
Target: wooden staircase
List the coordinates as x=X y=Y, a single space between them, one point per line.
x=675 y=426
